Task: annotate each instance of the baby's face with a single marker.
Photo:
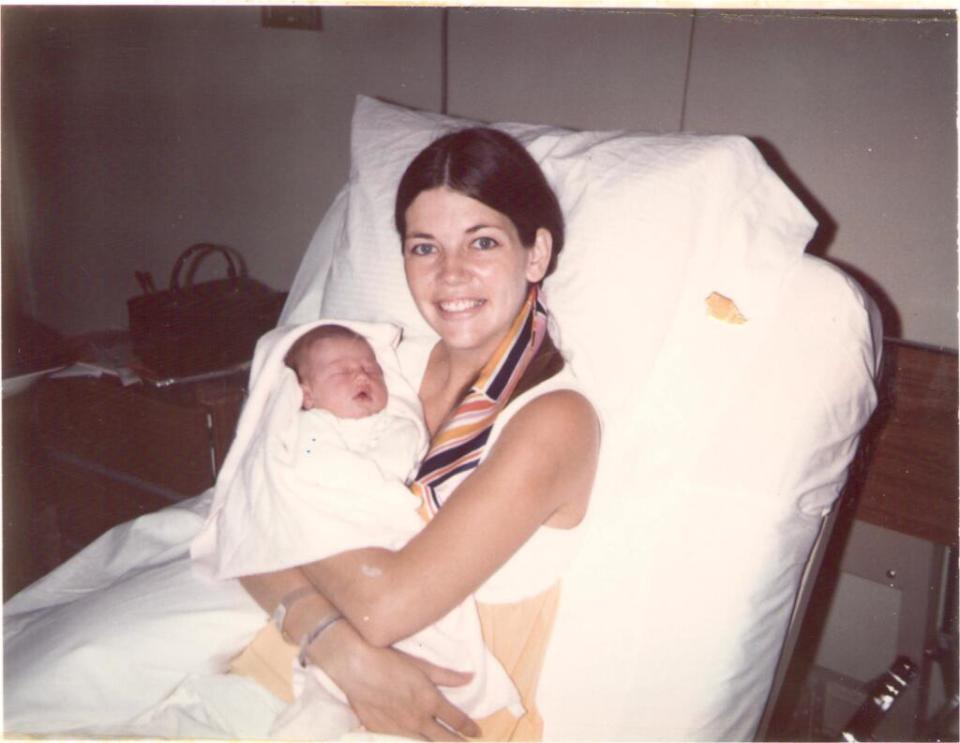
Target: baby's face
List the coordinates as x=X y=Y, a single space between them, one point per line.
x=343 y=377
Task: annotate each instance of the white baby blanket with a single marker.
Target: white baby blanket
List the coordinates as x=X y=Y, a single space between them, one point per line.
x=268 y=513
x=277 y=505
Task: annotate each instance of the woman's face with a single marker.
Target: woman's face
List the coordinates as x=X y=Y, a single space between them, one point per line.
x=466 y=268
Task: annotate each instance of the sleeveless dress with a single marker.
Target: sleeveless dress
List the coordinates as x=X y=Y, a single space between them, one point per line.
x=518 y=603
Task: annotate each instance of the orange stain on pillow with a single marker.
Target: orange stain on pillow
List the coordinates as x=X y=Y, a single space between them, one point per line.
x=723 y=308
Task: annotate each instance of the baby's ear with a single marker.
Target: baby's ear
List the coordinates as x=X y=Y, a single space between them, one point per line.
x=307 y=398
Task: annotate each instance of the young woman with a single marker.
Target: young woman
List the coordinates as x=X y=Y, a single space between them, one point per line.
x=480 y=229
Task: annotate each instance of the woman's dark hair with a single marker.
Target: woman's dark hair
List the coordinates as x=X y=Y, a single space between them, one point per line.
x=493 y=168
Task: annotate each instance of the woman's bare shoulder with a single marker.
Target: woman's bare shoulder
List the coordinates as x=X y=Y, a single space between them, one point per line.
x=551 y=445
x=565 y=408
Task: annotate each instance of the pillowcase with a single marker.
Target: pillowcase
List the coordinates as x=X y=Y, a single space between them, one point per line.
x=677 y=216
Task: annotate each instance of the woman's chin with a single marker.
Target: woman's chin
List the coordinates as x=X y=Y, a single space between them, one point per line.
x=469 y=343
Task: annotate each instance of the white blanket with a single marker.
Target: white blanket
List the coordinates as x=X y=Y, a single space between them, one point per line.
x=278 y=504
x=268 y=513
x=108 y=642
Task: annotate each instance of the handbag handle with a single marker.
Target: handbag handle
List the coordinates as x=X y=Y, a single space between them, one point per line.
x=199 y=251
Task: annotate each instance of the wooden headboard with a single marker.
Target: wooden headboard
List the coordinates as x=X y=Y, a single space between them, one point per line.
x=906 y=479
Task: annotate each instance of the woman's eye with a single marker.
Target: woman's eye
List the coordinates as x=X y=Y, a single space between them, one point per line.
x=420 y=249
x=485 y=243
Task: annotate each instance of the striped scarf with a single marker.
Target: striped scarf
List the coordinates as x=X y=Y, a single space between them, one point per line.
x=458 y=445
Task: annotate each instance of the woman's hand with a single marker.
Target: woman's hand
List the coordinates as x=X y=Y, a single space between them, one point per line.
x=392 y=692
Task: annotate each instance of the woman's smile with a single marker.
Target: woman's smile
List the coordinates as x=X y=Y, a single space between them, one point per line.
x=454 y=308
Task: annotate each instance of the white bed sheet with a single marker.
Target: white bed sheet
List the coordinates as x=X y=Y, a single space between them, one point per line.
x=94 y=646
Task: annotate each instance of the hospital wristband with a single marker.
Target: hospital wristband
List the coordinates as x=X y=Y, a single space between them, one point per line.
x=307 y=640
x=280 y=613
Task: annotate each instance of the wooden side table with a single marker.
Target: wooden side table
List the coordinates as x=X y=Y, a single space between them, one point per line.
x=118 y=452
x=909 y=479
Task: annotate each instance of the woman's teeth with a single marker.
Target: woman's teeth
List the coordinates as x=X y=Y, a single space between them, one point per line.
x=460 y=305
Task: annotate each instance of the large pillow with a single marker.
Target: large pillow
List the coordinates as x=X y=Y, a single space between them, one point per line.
x=652 y=221
x=724 y=443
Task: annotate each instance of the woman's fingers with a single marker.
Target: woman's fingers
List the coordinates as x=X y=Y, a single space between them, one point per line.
x=456 y=720
x=394 y=693
x=441 y=676
x=433 y=730
x=447 y=714
x=407 y=725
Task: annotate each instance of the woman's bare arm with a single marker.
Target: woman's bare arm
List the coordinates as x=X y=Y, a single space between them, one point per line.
x=539 y=471
x=390 y=692
x=492 y=513
x=268 y=589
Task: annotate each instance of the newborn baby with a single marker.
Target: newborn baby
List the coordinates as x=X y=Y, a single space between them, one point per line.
x=326 y=472
x=344 y=401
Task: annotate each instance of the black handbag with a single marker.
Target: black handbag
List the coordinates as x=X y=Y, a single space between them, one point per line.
x=198 y=328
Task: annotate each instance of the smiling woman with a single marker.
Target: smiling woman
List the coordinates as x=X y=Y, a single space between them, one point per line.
x=480 y=230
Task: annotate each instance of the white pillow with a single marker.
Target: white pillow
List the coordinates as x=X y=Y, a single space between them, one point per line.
x=678 y=216
x=723 y=444
x=704 y=515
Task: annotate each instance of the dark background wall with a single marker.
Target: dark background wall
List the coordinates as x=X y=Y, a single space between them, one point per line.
x=131 y=132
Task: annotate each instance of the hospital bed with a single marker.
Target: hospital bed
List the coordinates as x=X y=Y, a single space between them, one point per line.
x=727 y=433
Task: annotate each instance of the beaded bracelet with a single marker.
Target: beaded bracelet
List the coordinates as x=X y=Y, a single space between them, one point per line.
x=308 y=639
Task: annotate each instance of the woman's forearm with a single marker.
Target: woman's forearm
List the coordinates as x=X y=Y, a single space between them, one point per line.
x=268 y=589
x=390 y=692
x=361 y=583
x=389 y=595
x=350 y=579
x=304 y=614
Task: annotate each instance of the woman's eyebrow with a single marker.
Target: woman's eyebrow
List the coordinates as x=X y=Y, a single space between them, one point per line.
x=478 y=227
x=419 y=236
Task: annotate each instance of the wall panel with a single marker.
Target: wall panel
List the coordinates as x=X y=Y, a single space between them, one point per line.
x=142 y=130
x=132 y=132
x=587 y=69
x=862 y=110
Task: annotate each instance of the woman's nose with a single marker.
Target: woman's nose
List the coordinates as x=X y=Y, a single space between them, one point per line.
x=453 y=267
